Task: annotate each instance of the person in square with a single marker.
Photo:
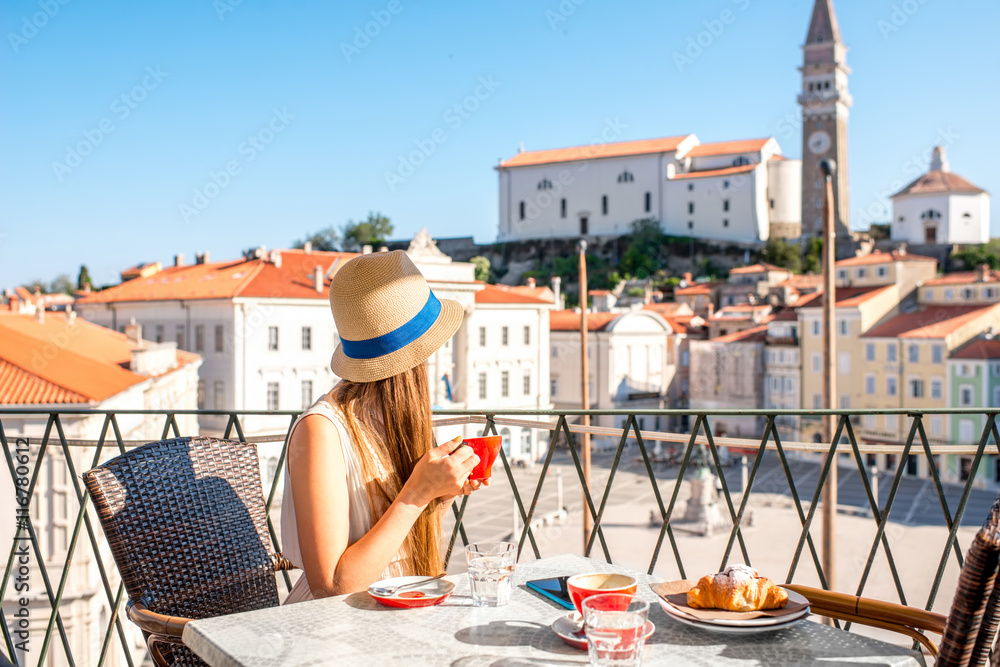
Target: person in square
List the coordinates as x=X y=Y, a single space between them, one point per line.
x=365 y=485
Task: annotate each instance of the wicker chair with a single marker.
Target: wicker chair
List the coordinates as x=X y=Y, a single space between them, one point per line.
x=969 y=630
x=187 y=526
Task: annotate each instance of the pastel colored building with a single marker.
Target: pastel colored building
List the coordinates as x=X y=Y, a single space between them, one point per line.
x=974 y=382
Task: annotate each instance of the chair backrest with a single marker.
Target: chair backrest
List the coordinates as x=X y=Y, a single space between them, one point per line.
x=972 y=621
x=187 y=526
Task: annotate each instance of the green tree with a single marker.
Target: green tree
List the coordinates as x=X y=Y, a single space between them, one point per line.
x=83 y=279
x=327 y=240
x=782 y=253
x=642 y=256
x=973 y=256
x=62 y=283
x=482 y=268
x=814 y=256
x=372 y=231
x=880 y=231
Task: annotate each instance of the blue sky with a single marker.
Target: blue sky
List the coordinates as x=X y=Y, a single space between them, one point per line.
x=299 y=120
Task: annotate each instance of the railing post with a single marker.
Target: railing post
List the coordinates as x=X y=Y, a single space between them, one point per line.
x=744 y=474
x=874 y=479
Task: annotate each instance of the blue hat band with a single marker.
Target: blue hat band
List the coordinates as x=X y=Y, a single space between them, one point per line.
x=397 y=339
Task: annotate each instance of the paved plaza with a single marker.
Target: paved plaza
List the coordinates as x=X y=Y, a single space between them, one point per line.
x=916 y=532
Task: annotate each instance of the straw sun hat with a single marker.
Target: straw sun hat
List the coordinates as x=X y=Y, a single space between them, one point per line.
x=388 y=319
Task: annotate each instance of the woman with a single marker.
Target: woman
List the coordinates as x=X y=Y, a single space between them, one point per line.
x=365 y=485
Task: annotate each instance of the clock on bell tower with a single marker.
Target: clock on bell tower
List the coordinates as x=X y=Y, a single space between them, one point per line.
x=825 y=109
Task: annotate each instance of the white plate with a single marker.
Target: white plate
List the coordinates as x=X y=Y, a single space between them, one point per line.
x=763 y=621
x=712 y=627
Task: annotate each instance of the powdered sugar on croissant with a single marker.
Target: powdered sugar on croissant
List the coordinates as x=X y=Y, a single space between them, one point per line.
x=737 y=588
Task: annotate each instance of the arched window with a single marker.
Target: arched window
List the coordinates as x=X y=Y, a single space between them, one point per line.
x=545 y=184
x=930 y=214
x=505 y=440
x=626 y=177
x=740 y=161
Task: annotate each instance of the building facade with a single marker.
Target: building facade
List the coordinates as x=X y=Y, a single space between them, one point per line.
x=973 y=382
x=58 y=360
x=728 y=191
x=727 y=373
x=628 y=363
x=941 y=207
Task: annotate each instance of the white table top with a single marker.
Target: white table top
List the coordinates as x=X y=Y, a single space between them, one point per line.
x=354 y=630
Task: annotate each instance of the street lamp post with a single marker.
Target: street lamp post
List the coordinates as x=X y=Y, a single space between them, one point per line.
x=585 y=390
x=828 y=168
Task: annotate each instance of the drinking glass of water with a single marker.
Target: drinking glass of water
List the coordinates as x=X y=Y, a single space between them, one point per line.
x=491 y=572
x=615 y=625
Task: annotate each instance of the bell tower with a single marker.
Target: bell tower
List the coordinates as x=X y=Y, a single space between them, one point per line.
x=825 y=106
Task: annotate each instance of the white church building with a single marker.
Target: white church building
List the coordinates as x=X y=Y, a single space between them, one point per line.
x=941 y=207
x=740 y=191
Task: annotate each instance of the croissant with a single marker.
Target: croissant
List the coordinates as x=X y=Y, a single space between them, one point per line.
x=738 y=588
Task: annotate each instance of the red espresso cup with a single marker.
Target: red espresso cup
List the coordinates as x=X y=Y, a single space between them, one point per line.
x=582 y=586
x=487 y=450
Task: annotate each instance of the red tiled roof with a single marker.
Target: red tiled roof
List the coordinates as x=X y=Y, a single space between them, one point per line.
x=939 y=181
x=883 y=258
x=90 y=363
x=759 y=267
x=669 y=308
x=505 y=294
x=707 y=173
x=752 y=335
x=697 y=288
x=728 y=147
x=979 y=348
x=685 y=323
x=963 y=277
x=594 y=151
x=598 y=292
x=804 y=280
x=847 y=297
x=225 y=280
x=19 y=387
x=569 y=320
x=544 y=293
x=24 y=294
x=929 y=322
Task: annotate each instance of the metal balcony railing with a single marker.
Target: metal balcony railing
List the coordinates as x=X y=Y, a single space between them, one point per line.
x=63 y=459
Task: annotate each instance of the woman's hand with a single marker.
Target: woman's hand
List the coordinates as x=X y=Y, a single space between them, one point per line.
x=443 y=472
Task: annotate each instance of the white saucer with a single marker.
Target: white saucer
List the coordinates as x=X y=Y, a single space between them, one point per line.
x=570 y=630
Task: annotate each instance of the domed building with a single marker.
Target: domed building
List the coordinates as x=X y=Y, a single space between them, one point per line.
x=941 y=207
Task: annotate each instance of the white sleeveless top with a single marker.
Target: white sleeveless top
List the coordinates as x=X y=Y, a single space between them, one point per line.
x=359 y=512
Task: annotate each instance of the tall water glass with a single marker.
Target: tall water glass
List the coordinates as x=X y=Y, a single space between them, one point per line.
x=615 y=626
x=491 y=572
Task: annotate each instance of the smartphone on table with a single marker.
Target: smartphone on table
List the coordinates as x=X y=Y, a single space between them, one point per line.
x=554 y=589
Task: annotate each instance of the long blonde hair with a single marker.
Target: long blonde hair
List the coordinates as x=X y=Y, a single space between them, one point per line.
x=390 y=422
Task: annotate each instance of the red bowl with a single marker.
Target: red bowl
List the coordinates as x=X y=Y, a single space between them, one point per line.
x=486 y=449
x=582 y=586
